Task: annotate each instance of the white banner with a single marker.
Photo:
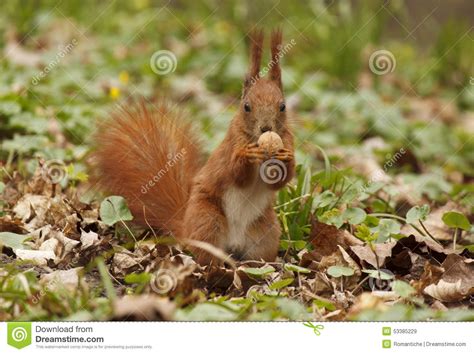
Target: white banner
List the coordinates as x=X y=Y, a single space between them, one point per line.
x=237 y=337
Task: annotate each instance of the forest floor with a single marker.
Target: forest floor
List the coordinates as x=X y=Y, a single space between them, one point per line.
x=377 y=224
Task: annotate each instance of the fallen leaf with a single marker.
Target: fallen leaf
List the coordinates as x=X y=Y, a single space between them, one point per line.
x=365 y=253
x=39 y=257
x=325 y=239
x=88 y=239
x=459 y=268
x=124 y=263
x=456 y=280
x=62 y=278
x=445 y=291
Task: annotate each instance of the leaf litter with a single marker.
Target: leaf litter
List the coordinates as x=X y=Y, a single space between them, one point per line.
x=338 y=277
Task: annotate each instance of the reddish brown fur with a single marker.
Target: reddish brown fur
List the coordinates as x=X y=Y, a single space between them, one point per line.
x=256 y=45
x=275 y=45
x=230 y=174
x=133 y=148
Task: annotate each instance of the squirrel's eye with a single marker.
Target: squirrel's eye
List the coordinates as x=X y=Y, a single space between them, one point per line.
x=247 y=107
x=282 y=107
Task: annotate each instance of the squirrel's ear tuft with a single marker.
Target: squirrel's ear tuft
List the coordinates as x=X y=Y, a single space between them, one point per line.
x=256 y=49
x=275 y=45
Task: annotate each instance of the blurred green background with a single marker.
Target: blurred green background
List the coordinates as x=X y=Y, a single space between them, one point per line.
x=65 y=64
x=93 y=54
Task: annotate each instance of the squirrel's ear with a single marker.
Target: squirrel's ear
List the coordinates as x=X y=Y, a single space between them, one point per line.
x=256 y=49
x=275 y=45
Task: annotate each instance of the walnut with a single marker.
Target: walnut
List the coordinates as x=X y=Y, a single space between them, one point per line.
x=271 y=142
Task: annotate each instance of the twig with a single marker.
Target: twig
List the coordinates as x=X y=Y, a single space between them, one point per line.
x=130 y=231
x=152 y=230
x=455 y=238
x=359 y=284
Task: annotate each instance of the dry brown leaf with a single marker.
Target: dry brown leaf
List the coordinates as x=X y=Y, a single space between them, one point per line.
x=36 y=211
x=365 y=253
x=321 y=285
x=431 y=274
x=457 y=267
x=88 y=239
x=325 y=239
x=38 y=257
x=62 y=278
x=8 y=224
x=124 y=263
x=350 y=262
x=445 y=291
x=456 y=280
x=50 y=245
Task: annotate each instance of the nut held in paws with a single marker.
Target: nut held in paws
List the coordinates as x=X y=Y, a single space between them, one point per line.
x=270 y=141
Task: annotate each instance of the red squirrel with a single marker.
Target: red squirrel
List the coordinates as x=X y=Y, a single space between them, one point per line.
x=152 y=158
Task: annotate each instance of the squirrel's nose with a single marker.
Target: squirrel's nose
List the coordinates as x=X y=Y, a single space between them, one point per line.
x=266 y=128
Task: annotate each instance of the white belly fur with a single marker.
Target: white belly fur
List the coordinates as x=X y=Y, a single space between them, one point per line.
x=242 y=207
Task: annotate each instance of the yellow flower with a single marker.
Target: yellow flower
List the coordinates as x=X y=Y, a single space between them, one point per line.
x=114 y=92
x=124 y=77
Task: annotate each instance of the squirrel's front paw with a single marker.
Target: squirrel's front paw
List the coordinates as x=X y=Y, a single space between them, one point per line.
x=254 y=154
x=284 y=155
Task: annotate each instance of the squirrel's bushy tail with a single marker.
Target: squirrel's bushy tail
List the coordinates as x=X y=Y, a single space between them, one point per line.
x=149 y=156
